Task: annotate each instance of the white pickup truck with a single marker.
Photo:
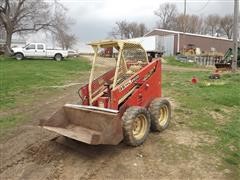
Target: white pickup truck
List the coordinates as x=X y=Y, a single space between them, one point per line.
x=37 y=50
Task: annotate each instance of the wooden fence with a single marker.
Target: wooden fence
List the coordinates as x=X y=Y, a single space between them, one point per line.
x=208 y=60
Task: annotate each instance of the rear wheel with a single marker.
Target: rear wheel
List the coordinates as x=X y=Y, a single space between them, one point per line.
x=160 y=113
x=136 y=125
x=19 y=56
x=58 y=57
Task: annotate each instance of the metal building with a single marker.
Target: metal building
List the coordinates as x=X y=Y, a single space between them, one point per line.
x=163 y=44
x=182 y=40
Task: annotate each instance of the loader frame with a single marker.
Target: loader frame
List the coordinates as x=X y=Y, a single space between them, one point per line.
x=133 y=82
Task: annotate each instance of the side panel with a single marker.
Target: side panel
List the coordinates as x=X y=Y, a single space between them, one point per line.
x=166 y=44
x=149 y=90
x=51 y=53
x=65 y=54
x=29 y=50
x=40 y=50
x=140 y=89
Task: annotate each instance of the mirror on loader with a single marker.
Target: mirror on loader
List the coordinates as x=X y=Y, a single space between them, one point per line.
x=121 y=101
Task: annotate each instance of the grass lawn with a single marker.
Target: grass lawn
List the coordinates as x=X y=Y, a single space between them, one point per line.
x=21 y=78
x=210 y=106
x=25 y=81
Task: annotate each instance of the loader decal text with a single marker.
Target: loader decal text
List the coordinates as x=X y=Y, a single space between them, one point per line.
x=133 y=80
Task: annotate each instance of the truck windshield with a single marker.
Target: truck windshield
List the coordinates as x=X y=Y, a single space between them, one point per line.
x=26 y=46
x=30 y=46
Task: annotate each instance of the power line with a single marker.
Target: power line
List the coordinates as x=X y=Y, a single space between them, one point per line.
x=202 y=8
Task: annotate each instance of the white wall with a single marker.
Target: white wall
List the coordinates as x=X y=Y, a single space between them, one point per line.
x=157 y=43
x=166 y=44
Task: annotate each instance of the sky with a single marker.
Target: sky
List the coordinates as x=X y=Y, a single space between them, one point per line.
x=94 y=19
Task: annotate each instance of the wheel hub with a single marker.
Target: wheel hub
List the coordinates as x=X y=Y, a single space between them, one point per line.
x=139 y=126
x=163 y=117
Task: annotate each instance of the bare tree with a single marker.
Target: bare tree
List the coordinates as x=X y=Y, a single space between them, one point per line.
x=61 y=27
x=142 y=29
x=188 y=23
x=23 y=15
x=66 y=40
x=125 y=30
x=212 y=23
x=120 y=30
x=178 y=23
x=167 y=13
x=195 y=24
x=137 y=30
x=226 y=24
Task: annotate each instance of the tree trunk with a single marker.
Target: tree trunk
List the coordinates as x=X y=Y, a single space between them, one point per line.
x=7 y=50
x=229 y=35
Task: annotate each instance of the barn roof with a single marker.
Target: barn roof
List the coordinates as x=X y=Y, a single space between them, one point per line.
x=190 y=34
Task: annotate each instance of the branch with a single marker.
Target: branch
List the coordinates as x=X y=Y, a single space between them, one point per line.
x=1 y=9
x=34 y=28
x=18 y=10
x=7 y=7
x=4 y=6
x=19 y=18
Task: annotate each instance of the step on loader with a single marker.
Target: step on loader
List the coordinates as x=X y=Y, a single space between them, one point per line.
x=123 y=104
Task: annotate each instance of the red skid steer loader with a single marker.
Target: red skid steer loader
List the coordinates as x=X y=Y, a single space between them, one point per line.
x=122 y=104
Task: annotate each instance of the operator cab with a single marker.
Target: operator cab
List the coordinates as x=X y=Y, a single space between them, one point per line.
x=131 y=58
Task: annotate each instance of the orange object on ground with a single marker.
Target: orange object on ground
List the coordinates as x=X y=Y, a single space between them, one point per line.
x=194 y=80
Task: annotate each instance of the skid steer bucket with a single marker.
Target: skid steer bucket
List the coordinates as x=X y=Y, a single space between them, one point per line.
x=88 y=124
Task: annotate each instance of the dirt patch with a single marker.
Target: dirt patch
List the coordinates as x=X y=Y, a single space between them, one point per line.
x=192 y=139
x=156 y=158
x=218 y=117
x=172 y=154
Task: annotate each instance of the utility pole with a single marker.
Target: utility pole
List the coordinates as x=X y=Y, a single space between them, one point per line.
x=235 y=35
x=185 y=7
x=185 y=18
x=55 y=15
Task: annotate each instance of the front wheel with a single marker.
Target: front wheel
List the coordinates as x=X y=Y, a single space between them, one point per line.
x=136 y=125
x=160 y=112
x=19 y=56
x=58 y=57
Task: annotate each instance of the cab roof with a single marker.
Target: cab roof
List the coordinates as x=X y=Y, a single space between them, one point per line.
x=117 y=44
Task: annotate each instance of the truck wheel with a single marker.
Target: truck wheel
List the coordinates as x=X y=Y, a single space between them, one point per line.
x=136 y=125
x=160 y=113
x=58 y=57
x=19 y=56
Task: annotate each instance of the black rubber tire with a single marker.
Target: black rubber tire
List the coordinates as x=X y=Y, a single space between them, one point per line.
x=58 y=57
x=19 y=56
x=128 y=118
x=155 y=114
